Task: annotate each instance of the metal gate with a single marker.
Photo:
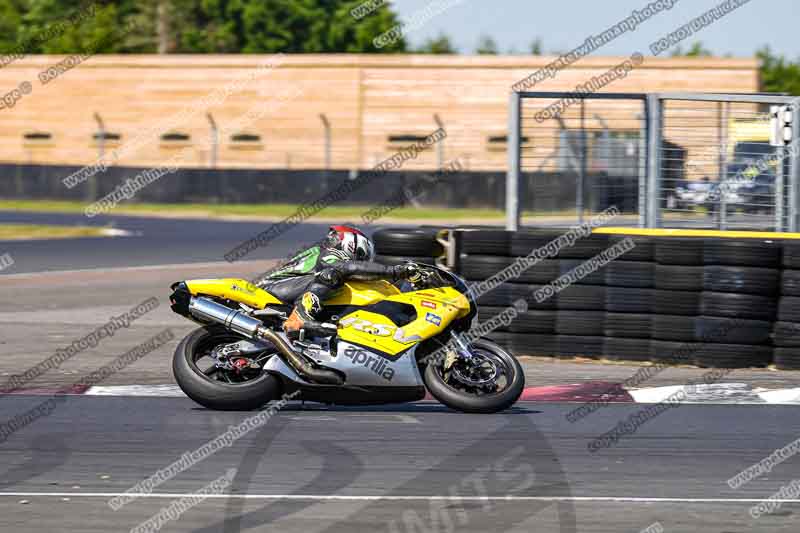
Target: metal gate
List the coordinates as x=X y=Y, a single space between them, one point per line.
x=664 y=160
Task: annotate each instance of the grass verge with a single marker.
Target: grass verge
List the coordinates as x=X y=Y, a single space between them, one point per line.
x=353 y=213
x=24 y=232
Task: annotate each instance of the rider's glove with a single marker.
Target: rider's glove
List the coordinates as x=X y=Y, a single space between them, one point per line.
x=408 y=271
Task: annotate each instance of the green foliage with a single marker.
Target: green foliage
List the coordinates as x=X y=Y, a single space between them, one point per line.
x=486 y=46
x=54 y=26
x=696 y=50
x=196 y=26
x=778 y=75
x=536 y=47
x=10 y=23
x=438 y=45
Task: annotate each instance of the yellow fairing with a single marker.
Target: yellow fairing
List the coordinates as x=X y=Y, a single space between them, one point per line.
x=239 y=290
x=361 y=293
x=436 y=309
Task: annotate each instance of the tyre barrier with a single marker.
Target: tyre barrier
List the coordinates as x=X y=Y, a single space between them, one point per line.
x=412 y=242
x=714 y=302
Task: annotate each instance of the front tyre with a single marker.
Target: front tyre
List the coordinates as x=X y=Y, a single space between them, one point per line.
x=491 y=381
x=216 y=388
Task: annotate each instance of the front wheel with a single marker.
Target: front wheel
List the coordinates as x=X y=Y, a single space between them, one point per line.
x=490 y=381
x=217 y=388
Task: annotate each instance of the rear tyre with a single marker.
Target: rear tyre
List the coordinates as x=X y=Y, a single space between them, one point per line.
x=469 y=389
x=208 y=390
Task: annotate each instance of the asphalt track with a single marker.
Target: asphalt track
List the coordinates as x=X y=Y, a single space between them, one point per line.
x=163 y=241
x=151 y=241
x=409 y=468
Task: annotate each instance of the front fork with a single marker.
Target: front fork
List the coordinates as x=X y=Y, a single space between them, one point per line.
x=461 y=350
x=462 y=347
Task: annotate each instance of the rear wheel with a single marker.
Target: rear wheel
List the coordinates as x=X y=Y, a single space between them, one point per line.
x=491 y=381
x=244 y=386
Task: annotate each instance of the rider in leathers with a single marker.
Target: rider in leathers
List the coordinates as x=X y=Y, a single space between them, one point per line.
x=345 y=254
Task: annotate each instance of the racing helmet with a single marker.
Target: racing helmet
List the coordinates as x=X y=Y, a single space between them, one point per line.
x=351 y=243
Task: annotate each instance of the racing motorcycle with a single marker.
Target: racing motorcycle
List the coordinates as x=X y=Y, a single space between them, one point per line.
x=375 y=343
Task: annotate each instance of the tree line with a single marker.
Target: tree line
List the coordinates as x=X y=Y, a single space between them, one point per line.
x=254 y=26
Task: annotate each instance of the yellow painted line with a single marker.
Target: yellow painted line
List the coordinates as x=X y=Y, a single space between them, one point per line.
x=662 y=232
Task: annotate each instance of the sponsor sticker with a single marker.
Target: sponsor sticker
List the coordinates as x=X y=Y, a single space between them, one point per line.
x=241 y=289
x=433 y=319
x=429 y=305
x=311 y=303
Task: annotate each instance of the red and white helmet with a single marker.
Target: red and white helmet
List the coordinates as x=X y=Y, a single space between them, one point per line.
x=350 y=242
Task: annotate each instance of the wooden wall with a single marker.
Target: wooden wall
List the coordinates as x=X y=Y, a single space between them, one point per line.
x=365 y=97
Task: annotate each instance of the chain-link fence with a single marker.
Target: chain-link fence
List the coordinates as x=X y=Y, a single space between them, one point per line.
x=734 y=177
x=578 y=157
x=664 y=160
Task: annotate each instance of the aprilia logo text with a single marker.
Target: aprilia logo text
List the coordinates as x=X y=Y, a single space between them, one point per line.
x=376 y=364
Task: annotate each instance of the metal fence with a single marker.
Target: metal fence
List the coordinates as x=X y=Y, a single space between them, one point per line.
x=664 y=160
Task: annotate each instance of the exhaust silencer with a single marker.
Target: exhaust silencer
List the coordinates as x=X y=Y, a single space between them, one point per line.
x=210 y=311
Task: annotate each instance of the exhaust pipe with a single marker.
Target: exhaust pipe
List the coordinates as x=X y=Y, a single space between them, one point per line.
x=210 y=311
x=299 y=363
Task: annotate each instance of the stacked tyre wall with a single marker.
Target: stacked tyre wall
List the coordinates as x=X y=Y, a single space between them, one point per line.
x=710 y=302
x=786 y=331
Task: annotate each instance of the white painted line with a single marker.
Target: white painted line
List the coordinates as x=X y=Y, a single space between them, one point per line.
x=384 y=417
x=170 y=391
x=780 y=396
x=333 y=497
x=653 y=394
x=715 y=393
x=116 y=232
x=407 y=419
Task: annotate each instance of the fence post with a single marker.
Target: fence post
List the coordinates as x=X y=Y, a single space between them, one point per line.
x=512 y=175
x=724 y=114
x=326 y=125
x=794 y=167
x=92 y=185
x=582 y=175
x=214 y=140
x=440 y=144
x=654 y=114
x=642 y=170
x=780 y=187
x=326 y=173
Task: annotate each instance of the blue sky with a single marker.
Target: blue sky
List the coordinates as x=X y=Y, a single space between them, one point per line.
x=563 y=25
